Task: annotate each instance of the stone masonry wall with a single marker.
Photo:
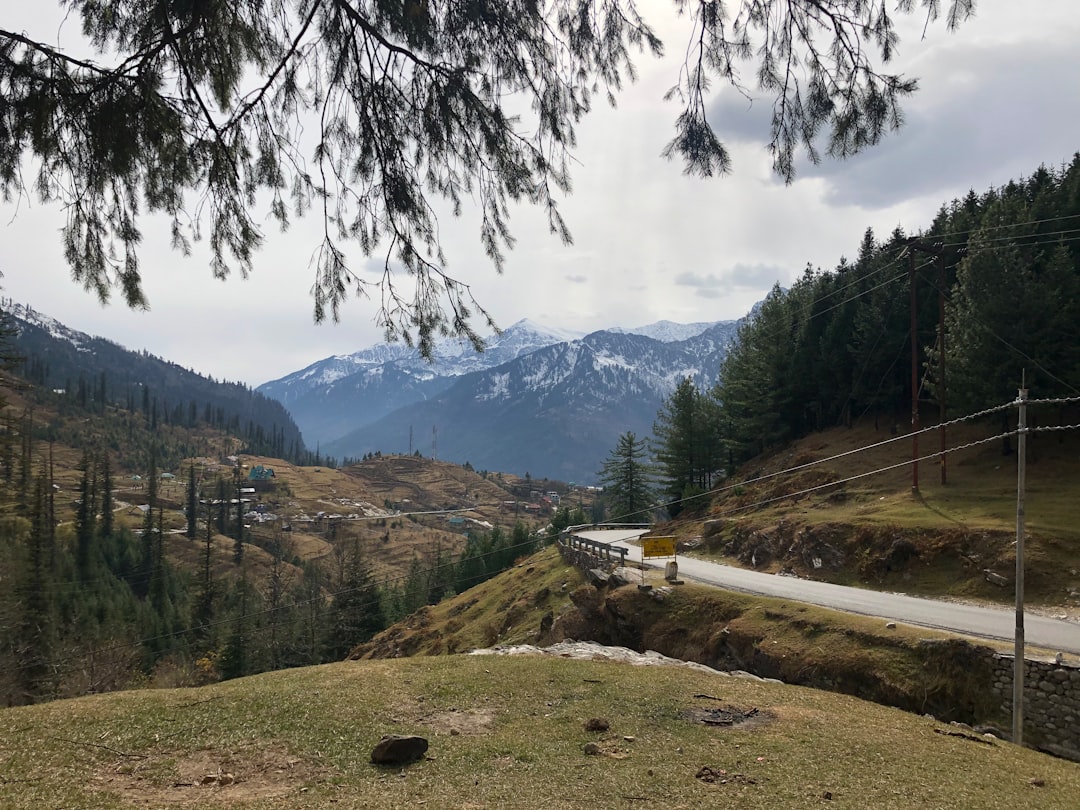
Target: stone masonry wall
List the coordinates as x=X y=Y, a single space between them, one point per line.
x=1051 y=702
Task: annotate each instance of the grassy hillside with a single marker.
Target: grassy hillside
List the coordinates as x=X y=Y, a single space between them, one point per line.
x=508 y=732
x=876 y=532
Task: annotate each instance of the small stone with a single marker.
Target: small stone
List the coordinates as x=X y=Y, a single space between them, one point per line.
x=1036 y=782
x=890 y=625
x=827 y=795
x=395 y=749
x=629 y=738
x=597 y=724
x=592 y=749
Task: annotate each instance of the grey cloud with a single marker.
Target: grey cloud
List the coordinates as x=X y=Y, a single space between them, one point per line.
x=989 y=114
x=577 y=278
x=739 y=276
x=756 y=275
x=738 y=118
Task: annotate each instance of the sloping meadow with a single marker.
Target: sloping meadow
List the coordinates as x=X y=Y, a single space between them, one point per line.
x=514 y=731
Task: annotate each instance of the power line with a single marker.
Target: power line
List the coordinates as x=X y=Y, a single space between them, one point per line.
x=798 y=468
x=898 y=465
x=986 y=327
x=1037 y=238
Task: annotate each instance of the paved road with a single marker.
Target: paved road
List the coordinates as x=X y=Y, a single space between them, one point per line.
x=989 y=623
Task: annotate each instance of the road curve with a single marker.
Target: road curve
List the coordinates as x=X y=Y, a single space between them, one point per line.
x=971 y=620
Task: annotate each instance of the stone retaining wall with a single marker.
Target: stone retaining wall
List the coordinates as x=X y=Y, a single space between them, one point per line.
x=1051 y=702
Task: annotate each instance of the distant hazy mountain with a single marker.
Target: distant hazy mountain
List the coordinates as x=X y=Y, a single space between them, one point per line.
x=339 y=394
x=667 y=331
x=553 y=411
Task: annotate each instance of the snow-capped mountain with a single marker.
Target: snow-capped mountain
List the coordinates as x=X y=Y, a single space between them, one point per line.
x=452 y=358
x=667 y=331
x=53 y=328
x=338 y=394
x=556 y=411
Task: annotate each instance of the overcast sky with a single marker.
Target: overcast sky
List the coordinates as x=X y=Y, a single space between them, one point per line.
x=997 y=99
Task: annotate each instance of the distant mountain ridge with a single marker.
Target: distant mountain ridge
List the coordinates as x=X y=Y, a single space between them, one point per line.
x=336 y=395
x=668 y=331
x=61 y=358
x=537 y=400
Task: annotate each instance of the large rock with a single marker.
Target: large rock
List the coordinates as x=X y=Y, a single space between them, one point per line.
x=396 y=749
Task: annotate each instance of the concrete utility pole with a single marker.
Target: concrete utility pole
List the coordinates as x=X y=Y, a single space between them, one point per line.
x=941 y=360
x=914 y=374
x=1018 y=645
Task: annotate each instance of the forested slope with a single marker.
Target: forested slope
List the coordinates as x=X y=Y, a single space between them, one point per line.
x=1001 y=269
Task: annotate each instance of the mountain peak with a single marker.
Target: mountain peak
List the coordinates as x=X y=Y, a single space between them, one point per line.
x=532 y=327
x=668 y=331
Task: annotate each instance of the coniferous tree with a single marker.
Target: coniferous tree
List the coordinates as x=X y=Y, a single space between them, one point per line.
x=235 y=659
x=105 y=475
x=687 y=444
x=192 y=503
x=1015 y=313
x=356 y=612
x=279 y=613
x=627 y=480
x=37 y=632
x=312 y=599
x=203 y=617
x=85 y=523
x=130 y=130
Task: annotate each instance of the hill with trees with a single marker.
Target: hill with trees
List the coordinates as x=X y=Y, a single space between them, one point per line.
x=97 y=375
x=144 y=548
x=984 y=301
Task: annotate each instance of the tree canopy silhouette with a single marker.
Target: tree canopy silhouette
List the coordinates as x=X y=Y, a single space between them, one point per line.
x=369 y=112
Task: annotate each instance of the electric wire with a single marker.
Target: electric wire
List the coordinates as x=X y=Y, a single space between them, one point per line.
x=385 y=582
x=858 y=476
x=838 y=456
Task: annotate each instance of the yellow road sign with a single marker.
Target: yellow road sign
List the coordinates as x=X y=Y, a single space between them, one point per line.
x=657 y=547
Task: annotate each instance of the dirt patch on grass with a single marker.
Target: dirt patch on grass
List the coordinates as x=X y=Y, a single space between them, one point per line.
x=727 y=716
x=467 y=721
x=208 y=776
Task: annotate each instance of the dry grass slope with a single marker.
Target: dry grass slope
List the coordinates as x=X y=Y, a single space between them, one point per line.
x=507 y=732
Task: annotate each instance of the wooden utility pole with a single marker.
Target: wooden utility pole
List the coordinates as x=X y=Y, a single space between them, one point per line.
x=936 y=250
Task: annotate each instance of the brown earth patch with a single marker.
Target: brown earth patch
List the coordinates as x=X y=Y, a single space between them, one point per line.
x=208 y=776
x=468 y=721
x=728 y=716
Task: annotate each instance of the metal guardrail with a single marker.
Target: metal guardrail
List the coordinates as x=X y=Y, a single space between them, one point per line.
x=602 y=552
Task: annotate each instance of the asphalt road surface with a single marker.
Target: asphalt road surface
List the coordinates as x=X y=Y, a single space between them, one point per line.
x=971 y=620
